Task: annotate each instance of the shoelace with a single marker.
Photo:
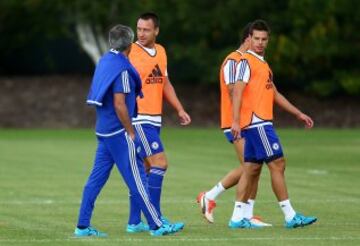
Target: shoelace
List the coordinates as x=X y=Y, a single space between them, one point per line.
x=93 y=231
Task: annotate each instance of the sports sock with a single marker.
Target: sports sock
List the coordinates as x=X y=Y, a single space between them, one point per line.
x=249 y=209
x=215 y=191
x=239 y=210
x=287 y=209
x=156 y=176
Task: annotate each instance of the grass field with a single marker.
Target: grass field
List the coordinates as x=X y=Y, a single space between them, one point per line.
x=42 y=173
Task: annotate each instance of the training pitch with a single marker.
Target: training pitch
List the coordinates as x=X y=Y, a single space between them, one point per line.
x=42 y=173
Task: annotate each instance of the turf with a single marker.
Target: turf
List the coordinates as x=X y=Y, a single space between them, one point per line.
x=42 y=173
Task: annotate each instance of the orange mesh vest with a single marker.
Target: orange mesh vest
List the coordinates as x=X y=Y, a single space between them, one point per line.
x=225 y=100
x=152 y=71
x=258 y=95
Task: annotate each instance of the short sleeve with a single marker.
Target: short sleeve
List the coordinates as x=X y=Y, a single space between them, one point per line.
x=243 y=71
x=230 y=72
x=122 y=84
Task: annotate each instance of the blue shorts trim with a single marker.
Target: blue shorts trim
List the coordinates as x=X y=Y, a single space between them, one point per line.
x=150 y=139
x=229 y=136
x=261 y=144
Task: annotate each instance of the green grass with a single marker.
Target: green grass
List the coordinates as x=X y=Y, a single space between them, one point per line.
x=42 y=173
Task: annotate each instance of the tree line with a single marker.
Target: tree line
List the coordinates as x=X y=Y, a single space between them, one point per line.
x=314 y=44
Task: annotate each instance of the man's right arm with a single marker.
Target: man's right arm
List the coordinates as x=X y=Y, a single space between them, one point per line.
x=237 y=83
x=229 y=73
x=238 y=90
x=121 y=87
x=123 y=114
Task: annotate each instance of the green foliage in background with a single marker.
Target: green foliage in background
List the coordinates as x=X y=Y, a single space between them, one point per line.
x=313 y=46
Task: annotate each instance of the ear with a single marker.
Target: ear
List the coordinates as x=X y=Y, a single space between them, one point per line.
x=157 y=31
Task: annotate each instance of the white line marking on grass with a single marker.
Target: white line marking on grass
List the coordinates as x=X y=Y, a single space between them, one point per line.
x=177 y=239
x=317 y=172
x=165 y=201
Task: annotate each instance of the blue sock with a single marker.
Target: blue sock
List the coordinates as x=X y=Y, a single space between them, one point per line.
x=156 y=177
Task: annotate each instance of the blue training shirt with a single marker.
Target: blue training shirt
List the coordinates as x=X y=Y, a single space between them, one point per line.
x=107 y=121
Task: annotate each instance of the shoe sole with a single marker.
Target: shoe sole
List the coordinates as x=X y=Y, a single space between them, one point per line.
x=203 y=210
x=201 y=201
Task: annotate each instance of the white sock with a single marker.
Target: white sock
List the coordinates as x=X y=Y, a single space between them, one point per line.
x=215 y=191
x=249 y=211
x=287 y=209
x=239 y=211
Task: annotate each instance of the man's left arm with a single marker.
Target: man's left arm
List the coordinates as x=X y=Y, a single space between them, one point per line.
x=173 y=100
x=289 y=107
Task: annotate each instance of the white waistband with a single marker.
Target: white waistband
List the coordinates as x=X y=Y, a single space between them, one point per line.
x=259 y=124
x=109 y=134
x=147 y=119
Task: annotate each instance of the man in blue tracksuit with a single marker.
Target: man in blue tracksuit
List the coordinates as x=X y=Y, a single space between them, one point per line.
x=113 y=92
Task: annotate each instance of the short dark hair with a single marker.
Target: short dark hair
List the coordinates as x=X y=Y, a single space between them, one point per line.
x=259 y=25
x=151 y=16
x=120 y=37
x=245 y=32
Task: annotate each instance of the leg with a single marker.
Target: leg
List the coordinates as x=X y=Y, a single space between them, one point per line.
x=99 y=175
x=207 y=199
x=292 y=219
x=277 y=173
x=247 y=181
x=132 y=170
x=232 y=178
x=155 y=159
x=244 y=188
x=249 y=211
x=134 y=221
x=276 y=164
x=158 y=167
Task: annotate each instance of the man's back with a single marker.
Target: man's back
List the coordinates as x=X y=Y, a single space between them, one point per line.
x=227 y=77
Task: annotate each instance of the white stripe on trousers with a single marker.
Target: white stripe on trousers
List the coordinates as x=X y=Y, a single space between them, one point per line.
x=144 y=140
x=265 y=141
x=138 y=182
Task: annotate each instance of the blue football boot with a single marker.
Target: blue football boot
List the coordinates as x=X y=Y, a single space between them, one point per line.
x=141 y=227
x=177 y=225
x=300 y=220
x=89 y=232
x=243 y=224
x=165 y=229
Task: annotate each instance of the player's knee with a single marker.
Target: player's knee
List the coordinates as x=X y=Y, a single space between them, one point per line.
x=278 y=165
x=159 y=160
x=163 y=164
x=253 y=170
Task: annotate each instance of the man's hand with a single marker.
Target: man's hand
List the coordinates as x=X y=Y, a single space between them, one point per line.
x=235 y=130
x=309 y=123
x=132 y=135
x=184 y=118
